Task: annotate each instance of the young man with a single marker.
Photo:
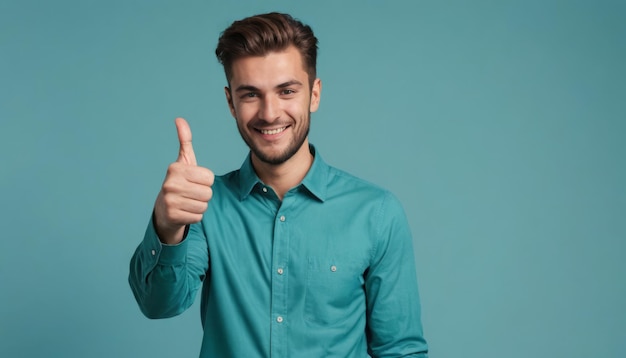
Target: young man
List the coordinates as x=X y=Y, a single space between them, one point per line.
x=295 y=258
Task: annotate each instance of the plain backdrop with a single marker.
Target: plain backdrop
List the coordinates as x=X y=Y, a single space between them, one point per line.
x=499 y=124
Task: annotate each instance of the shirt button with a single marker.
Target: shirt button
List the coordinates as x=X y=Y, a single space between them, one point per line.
x=264 y=189
x=282 y=218
x=279 y=319
x=280 y=271
x=153 y=252
x=333 y=268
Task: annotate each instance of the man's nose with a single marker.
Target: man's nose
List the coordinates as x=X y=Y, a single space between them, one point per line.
x=270 y=108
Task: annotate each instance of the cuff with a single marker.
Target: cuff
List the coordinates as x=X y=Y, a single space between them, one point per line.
x=162 y=254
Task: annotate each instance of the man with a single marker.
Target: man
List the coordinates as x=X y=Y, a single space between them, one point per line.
x=295 y=258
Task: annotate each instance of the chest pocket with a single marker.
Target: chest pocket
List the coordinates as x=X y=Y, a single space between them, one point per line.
x=334 y=291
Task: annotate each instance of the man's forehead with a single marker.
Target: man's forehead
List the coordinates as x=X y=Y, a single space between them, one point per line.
x=261 y=79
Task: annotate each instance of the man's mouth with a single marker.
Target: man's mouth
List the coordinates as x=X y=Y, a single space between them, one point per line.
x=272 y=131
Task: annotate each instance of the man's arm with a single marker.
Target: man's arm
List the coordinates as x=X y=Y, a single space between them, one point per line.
x=394 y=325
x=171 y=261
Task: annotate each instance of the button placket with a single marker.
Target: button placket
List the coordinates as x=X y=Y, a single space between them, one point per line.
x=280 y=254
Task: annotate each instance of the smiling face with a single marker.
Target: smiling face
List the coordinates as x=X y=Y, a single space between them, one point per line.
x=271 y=101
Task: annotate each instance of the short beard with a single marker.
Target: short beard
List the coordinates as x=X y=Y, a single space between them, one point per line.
x=281 y=158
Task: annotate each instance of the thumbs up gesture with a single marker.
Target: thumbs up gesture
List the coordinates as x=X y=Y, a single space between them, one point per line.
x=185 y=193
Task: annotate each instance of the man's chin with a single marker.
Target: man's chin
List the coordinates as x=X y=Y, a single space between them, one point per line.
x=272 y=159
x=273 y=156
x=276 y=153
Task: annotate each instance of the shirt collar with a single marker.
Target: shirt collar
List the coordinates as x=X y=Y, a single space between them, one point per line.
x=315 y=181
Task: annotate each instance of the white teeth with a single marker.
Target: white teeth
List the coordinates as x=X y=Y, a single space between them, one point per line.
x=272 y=131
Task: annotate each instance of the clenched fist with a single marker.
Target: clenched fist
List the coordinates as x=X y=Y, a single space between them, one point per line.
x=186 y=191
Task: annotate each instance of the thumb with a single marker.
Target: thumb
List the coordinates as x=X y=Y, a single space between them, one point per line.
x=185 y=154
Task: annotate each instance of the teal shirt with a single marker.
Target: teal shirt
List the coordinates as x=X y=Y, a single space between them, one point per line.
x=327 y=272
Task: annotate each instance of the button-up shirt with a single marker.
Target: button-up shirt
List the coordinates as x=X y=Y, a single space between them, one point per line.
x=329 y=271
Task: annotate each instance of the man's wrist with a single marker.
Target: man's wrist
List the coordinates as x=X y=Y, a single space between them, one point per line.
x=169 y=235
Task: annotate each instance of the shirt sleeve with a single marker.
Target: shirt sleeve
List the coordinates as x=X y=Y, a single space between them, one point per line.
x=165 y=278
x=394 y=325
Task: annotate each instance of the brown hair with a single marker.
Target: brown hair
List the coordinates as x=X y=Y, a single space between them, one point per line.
x=260 y=34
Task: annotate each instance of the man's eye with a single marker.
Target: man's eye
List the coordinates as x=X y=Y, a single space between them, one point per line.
x=287 y=92
x=248 y=96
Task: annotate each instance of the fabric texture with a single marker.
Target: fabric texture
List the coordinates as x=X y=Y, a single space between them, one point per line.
x=327 y=272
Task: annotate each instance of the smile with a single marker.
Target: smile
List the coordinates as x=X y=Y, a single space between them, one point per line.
x=272 y=131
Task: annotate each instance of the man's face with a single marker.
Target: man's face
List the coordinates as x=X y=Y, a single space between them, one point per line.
x=271 y=101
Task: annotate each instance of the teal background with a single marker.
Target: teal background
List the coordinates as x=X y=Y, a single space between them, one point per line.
x=499 y=124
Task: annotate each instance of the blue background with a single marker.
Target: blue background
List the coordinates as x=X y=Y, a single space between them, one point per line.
x=499 y=124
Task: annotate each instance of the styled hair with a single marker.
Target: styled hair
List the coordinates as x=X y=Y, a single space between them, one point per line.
x=261 y=34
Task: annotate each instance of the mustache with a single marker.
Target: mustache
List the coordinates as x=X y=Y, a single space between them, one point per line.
x=262 y=123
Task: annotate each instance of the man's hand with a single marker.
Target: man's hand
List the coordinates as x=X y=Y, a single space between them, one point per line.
x=186 y=191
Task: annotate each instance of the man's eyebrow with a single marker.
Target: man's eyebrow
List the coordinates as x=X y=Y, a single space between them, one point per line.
x=246 y=88
x=289 y=84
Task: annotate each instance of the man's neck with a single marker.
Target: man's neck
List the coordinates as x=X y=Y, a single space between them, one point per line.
x=287 y=175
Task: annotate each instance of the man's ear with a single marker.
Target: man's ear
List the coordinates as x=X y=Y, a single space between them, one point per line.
x=316 y=92
x=229 y=99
